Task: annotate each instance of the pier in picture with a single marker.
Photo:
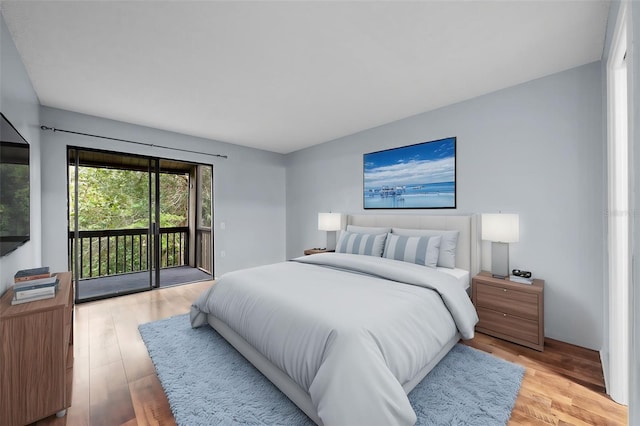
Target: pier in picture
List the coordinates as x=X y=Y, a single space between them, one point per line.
x=420 y=176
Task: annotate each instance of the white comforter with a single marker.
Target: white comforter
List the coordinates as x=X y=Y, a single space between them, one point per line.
x=351 y=339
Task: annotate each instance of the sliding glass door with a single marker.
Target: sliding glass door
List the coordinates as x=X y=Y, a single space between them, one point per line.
x=132 y=223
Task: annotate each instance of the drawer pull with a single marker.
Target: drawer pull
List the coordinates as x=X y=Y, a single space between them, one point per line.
x=504 y=289
x=504 y=315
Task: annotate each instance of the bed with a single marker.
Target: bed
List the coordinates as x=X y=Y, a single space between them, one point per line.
x=346 y=336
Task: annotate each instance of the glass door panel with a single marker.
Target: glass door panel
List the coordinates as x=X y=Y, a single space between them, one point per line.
x=109 y=222
x=175 y=195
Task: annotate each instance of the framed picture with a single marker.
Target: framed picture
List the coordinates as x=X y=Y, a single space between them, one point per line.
x=420 y=176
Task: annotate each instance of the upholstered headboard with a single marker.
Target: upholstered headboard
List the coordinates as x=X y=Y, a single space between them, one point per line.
x=468 y=254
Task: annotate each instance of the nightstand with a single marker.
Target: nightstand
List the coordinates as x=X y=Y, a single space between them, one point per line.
x=37 y=355
x=316 y=251
x=509 y=310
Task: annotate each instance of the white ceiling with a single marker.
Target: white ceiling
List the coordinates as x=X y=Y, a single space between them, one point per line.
x=282 y=76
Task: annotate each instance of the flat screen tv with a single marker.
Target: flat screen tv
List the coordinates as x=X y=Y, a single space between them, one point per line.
x=420 y=176
x=14 y=188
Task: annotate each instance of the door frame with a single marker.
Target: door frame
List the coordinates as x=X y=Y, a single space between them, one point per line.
x=154 y=170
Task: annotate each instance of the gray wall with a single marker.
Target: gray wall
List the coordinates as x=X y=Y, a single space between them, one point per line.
x=249 y=187
x=19 y=103
x=535 y=149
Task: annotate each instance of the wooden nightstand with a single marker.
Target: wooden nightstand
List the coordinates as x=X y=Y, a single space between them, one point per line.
x=36 y=365
x=510 y=310
x=316 y=251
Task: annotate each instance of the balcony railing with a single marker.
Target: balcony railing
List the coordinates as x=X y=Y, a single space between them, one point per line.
x=121 y=251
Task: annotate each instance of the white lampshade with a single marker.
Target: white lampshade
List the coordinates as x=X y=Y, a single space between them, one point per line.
x=329 y=221
x=499 y=227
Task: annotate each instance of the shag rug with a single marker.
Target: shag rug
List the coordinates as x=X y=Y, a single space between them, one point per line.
x=208 y=382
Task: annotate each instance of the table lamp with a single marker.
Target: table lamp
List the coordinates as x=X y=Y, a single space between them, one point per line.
x=501 y=229
x=330 y=222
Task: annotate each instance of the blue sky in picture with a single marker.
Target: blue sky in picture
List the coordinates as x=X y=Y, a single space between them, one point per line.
x=420 y=164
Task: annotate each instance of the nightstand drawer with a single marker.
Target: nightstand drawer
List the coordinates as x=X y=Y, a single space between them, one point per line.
x=510 y=311
x=508 y=325
x=507 y=300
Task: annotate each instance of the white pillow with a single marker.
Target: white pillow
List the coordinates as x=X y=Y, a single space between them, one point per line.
x=367 y=229
x=419 y=250
x=368 y=244
x=448 y=243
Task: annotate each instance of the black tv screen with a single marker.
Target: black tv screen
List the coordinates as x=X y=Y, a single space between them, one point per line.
x=14 y=188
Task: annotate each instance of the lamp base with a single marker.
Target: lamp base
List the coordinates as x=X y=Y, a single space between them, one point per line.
x=499 y=260
x=331 y=240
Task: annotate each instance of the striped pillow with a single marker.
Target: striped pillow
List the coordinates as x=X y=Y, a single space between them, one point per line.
x=420 y=250
x=448 y=243
x=369 y=244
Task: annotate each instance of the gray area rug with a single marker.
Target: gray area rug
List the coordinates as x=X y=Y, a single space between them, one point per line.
x=208 y=382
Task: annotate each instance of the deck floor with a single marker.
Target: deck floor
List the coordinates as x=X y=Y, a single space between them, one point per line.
x=97 y=288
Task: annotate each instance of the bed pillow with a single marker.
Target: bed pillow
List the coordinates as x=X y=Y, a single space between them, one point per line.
x=354 y=243
x=419 y=250
x=368 y=229
x=448 y=243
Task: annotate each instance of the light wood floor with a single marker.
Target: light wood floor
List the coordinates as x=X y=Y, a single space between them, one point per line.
x=115 y=383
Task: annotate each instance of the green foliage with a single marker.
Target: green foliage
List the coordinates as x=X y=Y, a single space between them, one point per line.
x=110 y=199
x=119 y=199
x=205 y=192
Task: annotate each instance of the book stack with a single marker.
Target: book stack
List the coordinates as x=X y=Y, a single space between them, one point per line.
x=33 y=284
x=521 y=280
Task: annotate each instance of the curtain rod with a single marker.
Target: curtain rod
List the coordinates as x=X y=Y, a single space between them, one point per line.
x=53 y=129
